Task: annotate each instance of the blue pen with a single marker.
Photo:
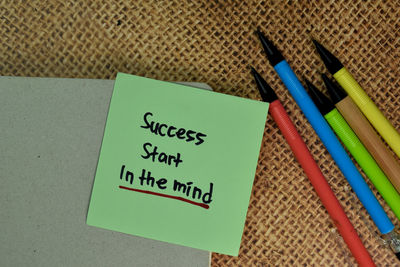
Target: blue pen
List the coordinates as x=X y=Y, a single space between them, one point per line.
x=327 y=136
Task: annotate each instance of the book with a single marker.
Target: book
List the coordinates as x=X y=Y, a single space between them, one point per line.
x=50 y=138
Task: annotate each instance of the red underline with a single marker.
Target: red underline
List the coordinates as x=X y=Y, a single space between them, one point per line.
x=167 y=196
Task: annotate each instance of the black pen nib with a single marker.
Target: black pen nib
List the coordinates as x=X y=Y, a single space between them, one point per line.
x=267 y=94
x=273 y=54
x=323 y=103
x=335 y=91
x=331 y=62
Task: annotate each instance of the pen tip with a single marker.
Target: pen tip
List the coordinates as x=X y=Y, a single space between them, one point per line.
x=323 y=103
x=308 y=83
x=315 y=42
x=335 y=91
x=267 y=94
x=258 y=33
x=331 y=62
x=273 y=54
x=310 y=87
x=253 y=71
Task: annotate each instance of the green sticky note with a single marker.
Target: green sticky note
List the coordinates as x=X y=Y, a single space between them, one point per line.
x=177 y=164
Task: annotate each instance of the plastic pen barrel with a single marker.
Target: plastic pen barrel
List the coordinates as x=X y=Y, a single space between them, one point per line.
x=365 y=160
x=370 y=110
x=371 y=140
x=364 y=131
x=354 y=145
x=320 y=184
x=334 y=147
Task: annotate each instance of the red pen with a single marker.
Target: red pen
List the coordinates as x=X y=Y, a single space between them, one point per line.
x=313 y=173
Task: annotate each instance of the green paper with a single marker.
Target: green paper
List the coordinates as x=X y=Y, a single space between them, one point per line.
x=218 y=165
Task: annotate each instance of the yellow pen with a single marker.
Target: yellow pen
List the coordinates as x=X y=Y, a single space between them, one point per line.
x=364 y=103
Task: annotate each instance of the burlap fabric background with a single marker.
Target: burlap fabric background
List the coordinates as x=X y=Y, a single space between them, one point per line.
x=213 y=42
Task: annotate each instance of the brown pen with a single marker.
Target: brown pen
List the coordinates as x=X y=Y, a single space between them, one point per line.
x=365 y=132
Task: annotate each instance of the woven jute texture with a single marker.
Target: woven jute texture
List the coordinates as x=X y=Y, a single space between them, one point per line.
x=214 y=42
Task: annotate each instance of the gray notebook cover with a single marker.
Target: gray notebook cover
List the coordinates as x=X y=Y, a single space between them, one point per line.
x=50 y=136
